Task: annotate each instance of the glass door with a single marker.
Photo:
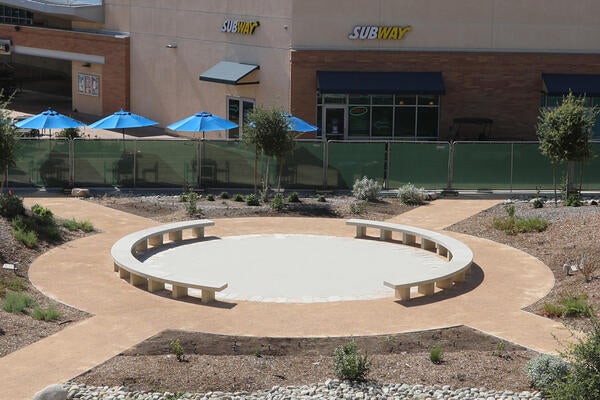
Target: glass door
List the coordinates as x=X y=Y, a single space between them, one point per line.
x=336 y=121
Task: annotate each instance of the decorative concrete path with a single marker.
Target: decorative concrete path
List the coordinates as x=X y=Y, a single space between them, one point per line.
x=80 y=273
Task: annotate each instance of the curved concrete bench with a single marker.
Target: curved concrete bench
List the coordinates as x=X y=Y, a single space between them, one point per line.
x=129 y=267
x=458 y=256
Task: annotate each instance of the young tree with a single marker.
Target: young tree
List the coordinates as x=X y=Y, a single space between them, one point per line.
x=269 y=131
x=564 y=133
x=8 y=142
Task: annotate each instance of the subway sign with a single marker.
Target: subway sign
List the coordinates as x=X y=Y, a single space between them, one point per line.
x=370 y=32
x=240 y=27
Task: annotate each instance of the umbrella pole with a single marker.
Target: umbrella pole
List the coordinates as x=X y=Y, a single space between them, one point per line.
x=123 y=133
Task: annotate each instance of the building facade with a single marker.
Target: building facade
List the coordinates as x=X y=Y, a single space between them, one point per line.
x=359 y=69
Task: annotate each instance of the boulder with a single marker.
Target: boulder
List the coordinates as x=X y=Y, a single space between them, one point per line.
x=78 y=192
x=52 y=392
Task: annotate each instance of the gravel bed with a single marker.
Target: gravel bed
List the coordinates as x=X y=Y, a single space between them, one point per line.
x=330 y=389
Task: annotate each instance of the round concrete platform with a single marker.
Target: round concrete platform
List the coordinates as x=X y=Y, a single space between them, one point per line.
x=288 y=268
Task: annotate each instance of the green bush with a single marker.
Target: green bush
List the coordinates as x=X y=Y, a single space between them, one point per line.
x=210 y=197
x=277 y=203
x=74 y=225
x=583 y=380
x=512 y=225
x=366 y=189
x=569 y=306
x=412 y=195
x=358 y=207
x=294 y=198
x=252 y=200
x=238 y=197
x=573 y=200
x=177 y=350
x=16 y=303
x=44 y=215
x=11 y=205
x=191 y=207
x=436 y=355
x=28 y=238
x=321 y=198
x=16 y=284
x=537 y=203
x=224 y=195
x=45 y=314
x=349 y=364
x=553 y=310
x=545 y=370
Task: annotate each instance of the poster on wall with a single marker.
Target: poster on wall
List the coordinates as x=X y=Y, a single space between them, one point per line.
x=88 y=85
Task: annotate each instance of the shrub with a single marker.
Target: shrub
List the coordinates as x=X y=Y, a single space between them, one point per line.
x=74 y=225
x=191 y=206
x=545 y=370
x=410 y=194
x=17 y=284
x=537 y=203
x=277 y=203
x=252 y=200
x=17 y=302
x=238 y=197
x=358 y=207
x=349 y=364
x=512 y=225
x=224 y=195
x=28 y=238
x=294 y=198
x=45 y=314
x=576 y=306
x=366 y=189
x=177 y=350
x=553 y=310
x=11 y=205
x=572 y=200
x=436 y=355
x=321 y=198
x=44 y=215
x=583 y=380
x=210 y=197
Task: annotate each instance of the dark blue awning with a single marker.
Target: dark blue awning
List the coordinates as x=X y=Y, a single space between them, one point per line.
x=380 y=82
x=561 y=84
x=230 y=73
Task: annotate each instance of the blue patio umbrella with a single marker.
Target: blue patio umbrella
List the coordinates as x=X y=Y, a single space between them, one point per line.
x=49 y=119
x=121 y=120
x=202 y=122
x=299 y=125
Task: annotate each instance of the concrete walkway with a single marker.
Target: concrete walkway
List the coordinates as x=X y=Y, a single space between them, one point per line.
x=80 y=274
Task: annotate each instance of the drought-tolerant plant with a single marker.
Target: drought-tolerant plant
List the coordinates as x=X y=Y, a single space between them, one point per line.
x=177 y=350
x=349 y=363
x=569 y=306
x=224 y=195
x=321 y=198
x=74 y=225
x=44 y=215
x=588 y=267
x=436 y=355
x=238 y=197
x=583 y=380
x=294 y=198
x=511 y=225
x=537 y=202
x=411 y=195
x=11 y=205
x=553 y=310
x=366 y=189
x=277 y=203
x=16 y=303
x=358 y=207
x=546 y=370
x=572 y=200
x=252 y=200
x=45 y=314
x=210 y=197
x=500 y=350
x=191 y=206
x=16 y=284
x=28 y=238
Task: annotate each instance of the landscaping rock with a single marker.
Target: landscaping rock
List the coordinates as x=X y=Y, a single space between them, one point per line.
x=52 y=392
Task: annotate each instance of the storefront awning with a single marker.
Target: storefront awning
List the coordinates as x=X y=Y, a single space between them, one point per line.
x=561 y=84
x=230 y=73
x=380 y=82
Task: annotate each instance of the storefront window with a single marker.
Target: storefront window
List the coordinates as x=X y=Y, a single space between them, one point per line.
x=400 y=116
x=237 y=112
x=15 y=16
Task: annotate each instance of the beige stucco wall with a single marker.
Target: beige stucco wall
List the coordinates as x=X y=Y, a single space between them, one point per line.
x=496 y=25
x=165 y=81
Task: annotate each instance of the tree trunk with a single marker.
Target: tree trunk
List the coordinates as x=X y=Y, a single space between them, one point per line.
x=266 y=187
x=281 y=161
x=554 y=181
x=570 y=180
x=256 y=171
x=580 y=176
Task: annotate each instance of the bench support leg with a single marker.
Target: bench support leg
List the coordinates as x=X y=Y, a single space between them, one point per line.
x=426 y=289
x=123 y=273
x=461 y=277
x=198 y=232
x=175 y=236
x=208 y=296
x=155 y=286
x=427 y=244
x=179 y=292
x=116 y=267
x=136 y=280
x=156 y=240
x=408 y=239
x=141 y=246
x=442 y=251
x=385 y=235
x=444 y=283
x=361 y=231
x=403 y=293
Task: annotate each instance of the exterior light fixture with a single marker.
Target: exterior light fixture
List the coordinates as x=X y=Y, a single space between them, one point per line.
x=172 y=46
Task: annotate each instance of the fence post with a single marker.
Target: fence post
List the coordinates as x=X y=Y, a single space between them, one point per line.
x=325 y=162
x=449 y=189
x=512 y=152
x=386 y=166
x=72 y=162
x=199 y=148
x=134 y=162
